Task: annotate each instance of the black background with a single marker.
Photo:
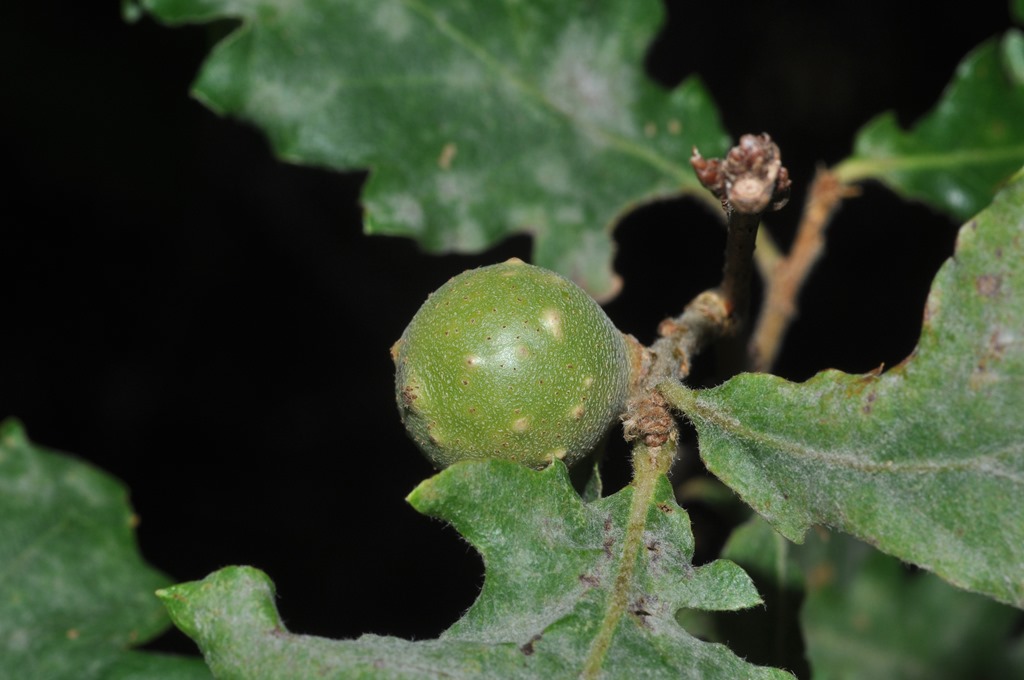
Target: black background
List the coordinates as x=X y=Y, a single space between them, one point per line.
x=210 y=325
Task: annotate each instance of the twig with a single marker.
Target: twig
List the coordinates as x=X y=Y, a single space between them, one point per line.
x=766 y=254
x=749 y=181
x=784 y=281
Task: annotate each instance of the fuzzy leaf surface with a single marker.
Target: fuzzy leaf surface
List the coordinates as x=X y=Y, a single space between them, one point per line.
x=75 y=593
x=866 y=616
x=958 y=155
x=478 y=120
x=554 y=572
x=924 y=461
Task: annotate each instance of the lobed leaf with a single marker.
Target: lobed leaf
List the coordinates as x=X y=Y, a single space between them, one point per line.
x=924 y=461
x=959 y=154
x=564 y=594
x=478 y=120
x=76 y=595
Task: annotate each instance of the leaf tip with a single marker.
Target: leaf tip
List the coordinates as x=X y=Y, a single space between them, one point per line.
x=423 y=497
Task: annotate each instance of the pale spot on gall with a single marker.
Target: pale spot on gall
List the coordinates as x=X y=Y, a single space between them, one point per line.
x=551 y=320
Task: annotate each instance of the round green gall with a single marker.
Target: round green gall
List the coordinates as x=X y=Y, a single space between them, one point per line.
x=510 y=361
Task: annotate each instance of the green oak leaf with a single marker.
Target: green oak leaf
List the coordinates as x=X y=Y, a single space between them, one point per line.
x=958 y=155
x=571 y=589
x=865 y=615
x=478 y=120
x=75 y=595
x=924 y=461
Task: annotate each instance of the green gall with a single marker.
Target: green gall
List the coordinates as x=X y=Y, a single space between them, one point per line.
x=510 y=361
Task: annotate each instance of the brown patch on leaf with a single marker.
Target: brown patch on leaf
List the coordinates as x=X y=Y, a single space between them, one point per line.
x=929 y=312
x=989 y=285
x=396 y=349
x=640 y=610
x=983 y=374
x=609 y=540
x=869 y=401
x=527 y=648
x=409 y=395
x=862 y=382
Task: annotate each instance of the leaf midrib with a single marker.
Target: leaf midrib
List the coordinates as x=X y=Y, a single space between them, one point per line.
x=677 y=394
x=643 y=494
x=856 y=168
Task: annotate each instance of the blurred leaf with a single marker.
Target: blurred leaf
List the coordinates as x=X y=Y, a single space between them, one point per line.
x=478 y=120
x=867 y=616
x=874 y=619
x=958 y=155
x=1018 y=9
x=757 y=546
x=925 y=461
x=570 y=589
x=76 y=595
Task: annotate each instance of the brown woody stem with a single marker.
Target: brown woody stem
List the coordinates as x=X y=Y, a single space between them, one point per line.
x=787 y=276
x=749 y=181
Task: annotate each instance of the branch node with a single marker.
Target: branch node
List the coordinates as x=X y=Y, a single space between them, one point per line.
x=650 y=418
x=750 y=180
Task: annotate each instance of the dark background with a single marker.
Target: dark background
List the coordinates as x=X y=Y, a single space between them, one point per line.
x=209 y=324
